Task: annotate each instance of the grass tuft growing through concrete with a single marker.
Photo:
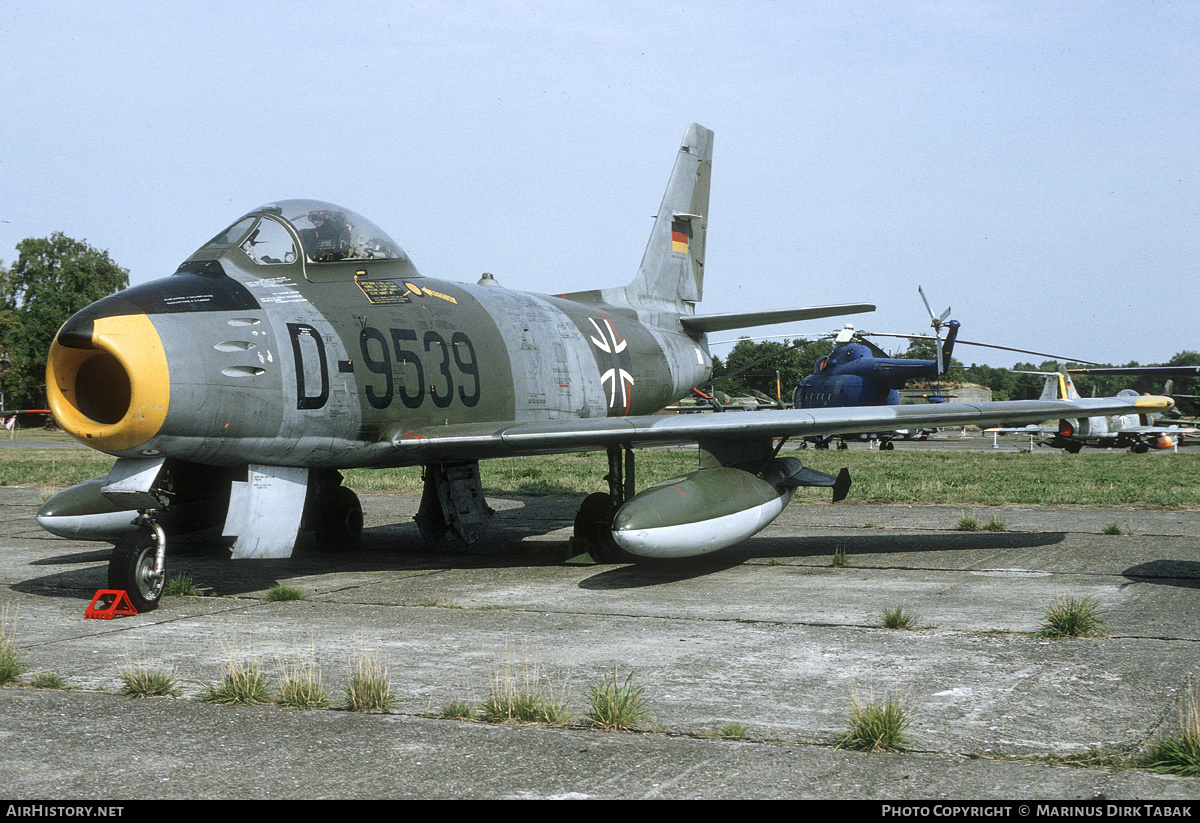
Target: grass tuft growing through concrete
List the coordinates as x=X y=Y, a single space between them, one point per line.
x=1179 y=753
x=300 y=684
x=369 y=689
x=48 y=680
x=457 y=710
x=733 y=731
x=618 y=704
x=242 y=683
x=1072 y=617
x=523 y=696
x=279 y=593
x=877 y=726
x=898 y=618
x=10 y=653
x=180 y=586
x=138 y=681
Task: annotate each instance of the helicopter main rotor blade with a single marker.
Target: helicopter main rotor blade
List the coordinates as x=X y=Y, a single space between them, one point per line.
x=960 y=341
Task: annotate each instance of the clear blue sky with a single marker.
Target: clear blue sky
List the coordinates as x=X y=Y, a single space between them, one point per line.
x=1033 y=164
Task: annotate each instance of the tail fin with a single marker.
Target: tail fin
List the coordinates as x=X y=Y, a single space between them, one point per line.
x=672 y=270
x=1059 y=385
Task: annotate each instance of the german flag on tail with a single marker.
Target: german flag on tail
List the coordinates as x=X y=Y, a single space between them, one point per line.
x=681 y=235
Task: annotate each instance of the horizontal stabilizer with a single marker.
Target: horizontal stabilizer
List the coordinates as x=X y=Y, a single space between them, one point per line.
x=744 y=320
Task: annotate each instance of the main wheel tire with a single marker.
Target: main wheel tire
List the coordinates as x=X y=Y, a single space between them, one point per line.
x=340 y=520
x=131 y=569
x=593 y=525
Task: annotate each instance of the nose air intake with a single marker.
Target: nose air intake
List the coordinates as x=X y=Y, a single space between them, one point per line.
x=107 y=380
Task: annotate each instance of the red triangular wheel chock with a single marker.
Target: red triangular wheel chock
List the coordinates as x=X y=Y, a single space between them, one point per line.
x=108 y=603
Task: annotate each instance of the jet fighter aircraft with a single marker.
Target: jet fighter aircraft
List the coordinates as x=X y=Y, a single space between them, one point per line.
x=302 y=340
x=1135 y=431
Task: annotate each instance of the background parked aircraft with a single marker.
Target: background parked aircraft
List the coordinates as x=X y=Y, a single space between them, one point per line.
x=1137 y=432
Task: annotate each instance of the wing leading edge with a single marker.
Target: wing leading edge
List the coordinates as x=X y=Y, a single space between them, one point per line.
x=481 y=441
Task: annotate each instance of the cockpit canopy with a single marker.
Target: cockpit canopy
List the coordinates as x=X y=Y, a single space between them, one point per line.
x=326 y=233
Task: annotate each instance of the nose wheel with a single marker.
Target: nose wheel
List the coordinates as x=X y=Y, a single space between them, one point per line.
x=136 y=567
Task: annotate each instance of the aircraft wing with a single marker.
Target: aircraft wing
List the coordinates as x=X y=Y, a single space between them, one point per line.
x=479 y=441
x=1161 y=371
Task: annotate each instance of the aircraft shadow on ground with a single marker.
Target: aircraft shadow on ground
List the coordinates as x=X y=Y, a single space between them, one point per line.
x=399 y=547
x=1180 y=573
x=854 y=544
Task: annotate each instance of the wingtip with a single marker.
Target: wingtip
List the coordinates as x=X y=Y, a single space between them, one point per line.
x=1154 y=403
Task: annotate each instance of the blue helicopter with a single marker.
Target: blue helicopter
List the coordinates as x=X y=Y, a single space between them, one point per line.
x=859 y=373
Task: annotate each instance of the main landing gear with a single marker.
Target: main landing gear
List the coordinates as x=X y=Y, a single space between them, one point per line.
x=593 y=523
x=337 y=518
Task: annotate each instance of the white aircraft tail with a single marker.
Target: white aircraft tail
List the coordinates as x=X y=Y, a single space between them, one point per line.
x=1059 y=386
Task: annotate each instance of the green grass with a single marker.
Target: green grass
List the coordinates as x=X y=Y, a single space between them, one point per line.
x=840 y=560
x=877 y=726
x=300 y=684
x=243 y=683
x=994 y=525
x=57 y=468
x=457 y=710
x=967 y=524
x=928 y=477
x=280 y=593
x=10 y=653
x=933 y=477
x=523 y=695
x=618 y=704
x=48 y=680
x=898 y=618
x=1072 y=617
x=368 y=689
x=138 y=681
x=1112 y=528
x=180 y=586
x=733 y=731
x=514 y=705
x=1179 y=753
